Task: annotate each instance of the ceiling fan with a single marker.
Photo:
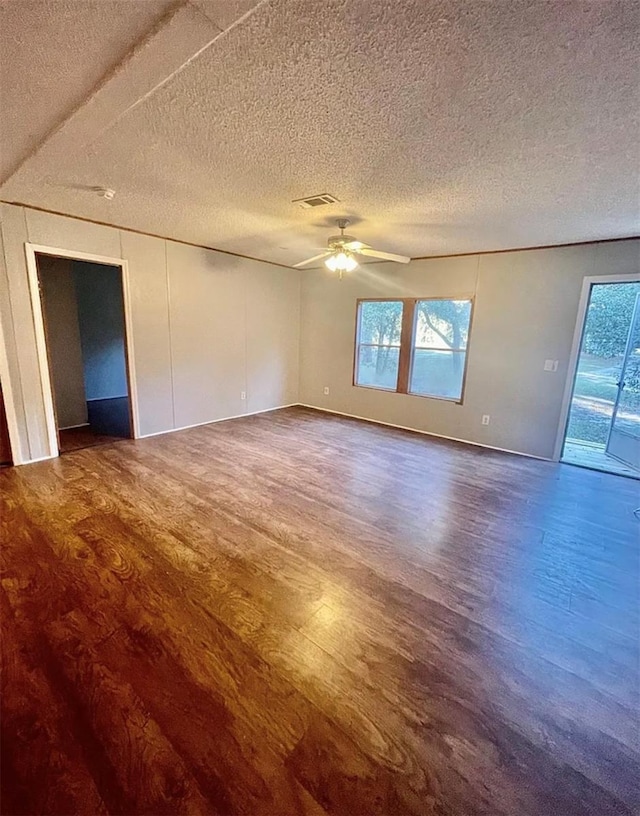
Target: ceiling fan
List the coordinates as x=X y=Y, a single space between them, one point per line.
x=342 y=248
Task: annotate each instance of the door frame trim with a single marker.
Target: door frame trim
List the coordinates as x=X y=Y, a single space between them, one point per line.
x=572 y=368
x=31 y=250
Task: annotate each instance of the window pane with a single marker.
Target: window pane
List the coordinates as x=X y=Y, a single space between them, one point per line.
x=437 y=373
x=381 y=322
x=442 y=323
x=378 y=366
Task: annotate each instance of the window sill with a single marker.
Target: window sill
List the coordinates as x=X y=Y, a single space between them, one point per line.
x=409 y=393
x=434 y=397
x=377 y=388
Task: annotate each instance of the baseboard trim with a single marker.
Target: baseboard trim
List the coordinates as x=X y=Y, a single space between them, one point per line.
x=33 y=461
x=222 y=419
x=106 y=399
x=72 y=427
x=326 y=411
x=425 y=433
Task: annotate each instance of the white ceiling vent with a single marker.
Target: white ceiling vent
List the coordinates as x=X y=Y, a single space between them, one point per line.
x=315 y=201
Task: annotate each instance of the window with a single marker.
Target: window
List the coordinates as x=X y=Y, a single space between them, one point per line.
x=413 y=346
x=378 y=351
x=440 y=335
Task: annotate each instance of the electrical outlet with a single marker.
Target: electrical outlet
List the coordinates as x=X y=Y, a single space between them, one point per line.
x=486 y=419
x=550 y=365
x=325 y=390
x=243 y=395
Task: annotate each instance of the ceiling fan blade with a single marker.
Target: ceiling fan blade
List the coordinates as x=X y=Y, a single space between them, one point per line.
x=356 y=246
x=315 y=258
x=384 y=256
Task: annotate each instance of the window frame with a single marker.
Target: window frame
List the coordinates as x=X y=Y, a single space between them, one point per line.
x=357 y=345
x=407 y=346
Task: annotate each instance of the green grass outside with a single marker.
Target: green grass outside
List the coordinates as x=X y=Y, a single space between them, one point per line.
x=593 y=399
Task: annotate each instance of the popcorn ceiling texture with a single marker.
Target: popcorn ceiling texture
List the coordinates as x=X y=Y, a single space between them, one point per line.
x=52 y=54
x=442 y=127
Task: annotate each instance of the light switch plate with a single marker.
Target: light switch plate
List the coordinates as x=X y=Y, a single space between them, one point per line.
x=550 y=365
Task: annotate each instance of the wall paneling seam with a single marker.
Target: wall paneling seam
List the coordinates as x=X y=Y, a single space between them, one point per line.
x=166 y=276
x=33 y=323
x=246 y=345
x=8 y=390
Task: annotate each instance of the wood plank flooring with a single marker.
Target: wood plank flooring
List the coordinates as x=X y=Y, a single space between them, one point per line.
x=71 y=439
x=296 y=613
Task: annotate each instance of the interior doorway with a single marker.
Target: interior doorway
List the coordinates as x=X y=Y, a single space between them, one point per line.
x=603 y=426
x=83 y=315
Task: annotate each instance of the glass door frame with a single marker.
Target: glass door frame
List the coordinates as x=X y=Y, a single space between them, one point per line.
x=574 y=358
x=623 y=373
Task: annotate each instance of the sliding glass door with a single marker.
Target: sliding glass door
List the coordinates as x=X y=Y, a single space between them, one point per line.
x=624 y=434
x=603 y=428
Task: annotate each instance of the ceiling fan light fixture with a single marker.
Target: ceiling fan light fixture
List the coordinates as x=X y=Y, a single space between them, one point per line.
x=341 y=261
x=339 y=255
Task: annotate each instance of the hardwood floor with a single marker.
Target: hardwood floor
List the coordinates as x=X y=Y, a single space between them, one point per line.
x=71 y=439
x=296 y=613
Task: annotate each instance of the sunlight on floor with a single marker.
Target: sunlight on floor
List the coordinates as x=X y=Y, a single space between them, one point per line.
x=593 y=456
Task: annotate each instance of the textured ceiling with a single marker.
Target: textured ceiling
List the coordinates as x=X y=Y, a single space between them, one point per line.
x=442 y=126
x=51 y=56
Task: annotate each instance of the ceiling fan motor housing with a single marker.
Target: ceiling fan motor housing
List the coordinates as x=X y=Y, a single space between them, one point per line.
x=340 y=240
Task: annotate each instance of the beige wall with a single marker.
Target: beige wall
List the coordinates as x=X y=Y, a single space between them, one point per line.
x=60 y=308
x=526 y=306
x=205 y=326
